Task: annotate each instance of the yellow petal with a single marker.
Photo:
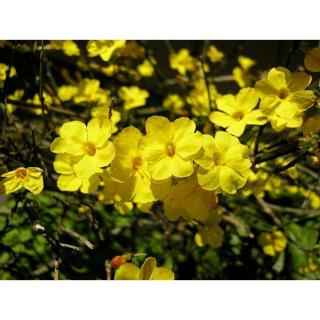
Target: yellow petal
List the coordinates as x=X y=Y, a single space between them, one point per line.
x=226 y=103
x=209 y=179
x=299 y=81
x=161 y=170
x=188 y=145
x=159 y=127
x=277 y=78
x=247 y=99
x=162 y=274
x=230 y=180
x=181 y=168
x=147 y=268
x=312 y=60
x=99 y=130
x=255 y=117
x=237 y=128
x=68 y=183
x=127 y=271
x=221 y=119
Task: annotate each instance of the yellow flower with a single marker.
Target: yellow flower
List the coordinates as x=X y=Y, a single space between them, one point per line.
x=211 y=235
x=130 y=168
x=3 y=71
x=68 y=47
x=103 y=111
x=169 y=147
x=67 y=92
x=115 y=193
x=241 y=74
x=224 y=163
x=90 y=91
x=111 y=70
x=185 y=198
x=214 y=54
x=133 y=97
x=104 y=48
x=68 y=179
x=182 y=61
x=48 y=100
x=312 y=60
x=88 y=144
x=146 y=68
x=238 y=111
x=284 y=98
x=198 y=98
x=173 y=102
x=272 y=243
x=28 y=178
x=17 y=95
x=148 y=271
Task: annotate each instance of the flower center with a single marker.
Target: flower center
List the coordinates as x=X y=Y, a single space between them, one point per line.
x=136 y=163
x=283 y=93
x=89 y=148
x=217 y=158
x=21 y=173
x=170 y=149
x=238 y=115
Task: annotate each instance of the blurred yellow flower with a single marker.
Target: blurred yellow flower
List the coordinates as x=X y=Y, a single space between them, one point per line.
x=148 y=271
x=242 y=74
x=146 y=68
x=89 y=91
x=273 y=242
x=3 y=71
x=133 y=97
x=211 y=235
x=29 y=178
x=169 y=147
x=214 y=54
x=238 y=111
x=103 y=111
x=173 y=102
x=68 y=47
x=17 y=95
x=284 y=98
x=311 y=125
x=198 y=98
x=67 y=92
x=104 y=48
x=182 y=61
x=224 y=163
x=312 y=60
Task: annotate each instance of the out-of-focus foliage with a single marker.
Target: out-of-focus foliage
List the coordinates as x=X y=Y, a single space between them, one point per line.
x=159 y=160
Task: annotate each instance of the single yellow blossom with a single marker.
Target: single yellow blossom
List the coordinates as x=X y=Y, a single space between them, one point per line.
x=148 y=271
x=214 y=54
x=173 y=102
x=312 y=60
x=224 y=163
x=88 y=144
x=146 y=68
x=284 y=98
x=133 y=97
x=238 y=111
x=169 y=147
x=272 y=243
x=182 y=61
x=211 y=235
x=29 y=178
x=104 y=48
